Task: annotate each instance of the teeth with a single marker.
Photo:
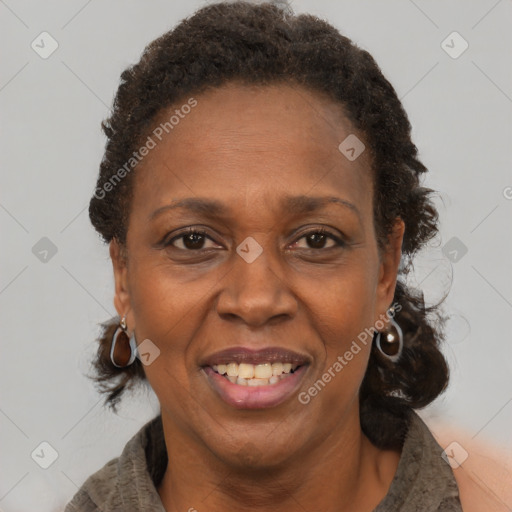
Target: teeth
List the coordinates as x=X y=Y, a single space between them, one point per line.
x=246 y=371
x=263 y=371
x=246 y=374
x=250 y=371
x=257 y=382
x=277 y=368
x=232 y=369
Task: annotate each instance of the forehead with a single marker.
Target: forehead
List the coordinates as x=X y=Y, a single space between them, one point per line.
x=252 y=143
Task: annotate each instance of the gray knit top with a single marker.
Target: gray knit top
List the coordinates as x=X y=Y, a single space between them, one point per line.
x=423 y=480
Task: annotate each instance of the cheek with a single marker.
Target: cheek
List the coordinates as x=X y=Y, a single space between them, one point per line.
x=168 y=313
x=343 y=315
x=345 y=306
x=162 y=298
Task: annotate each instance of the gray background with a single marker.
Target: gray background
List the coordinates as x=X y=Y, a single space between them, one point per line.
x=51 y=146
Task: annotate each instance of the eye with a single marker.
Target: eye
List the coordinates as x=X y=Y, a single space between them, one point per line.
x=317 y=238
x=191 y=240
x=194 y=239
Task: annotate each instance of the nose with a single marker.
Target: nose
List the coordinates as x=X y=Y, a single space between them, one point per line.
x=256 y=293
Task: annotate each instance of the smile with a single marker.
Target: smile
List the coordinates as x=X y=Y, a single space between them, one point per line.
x=248 y=379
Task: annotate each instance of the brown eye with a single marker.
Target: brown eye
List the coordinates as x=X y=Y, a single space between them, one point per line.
x=192 y=240
x=317 y=239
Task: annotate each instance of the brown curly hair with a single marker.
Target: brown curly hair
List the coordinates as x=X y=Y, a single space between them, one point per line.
x=267 y=44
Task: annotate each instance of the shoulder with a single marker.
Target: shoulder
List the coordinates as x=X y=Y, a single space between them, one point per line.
x=423 y=480
x=482 y=469
x=124 y=479
x=102 y=484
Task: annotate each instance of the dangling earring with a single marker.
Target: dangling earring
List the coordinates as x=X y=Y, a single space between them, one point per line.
x=393 y=343
x=122 y=335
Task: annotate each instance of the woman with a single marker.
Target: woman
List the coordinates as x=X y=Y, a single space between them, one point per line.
x=261 y=196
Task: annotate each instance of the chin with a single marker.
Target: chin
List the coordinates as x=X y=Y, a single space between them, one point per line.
x=264 y=452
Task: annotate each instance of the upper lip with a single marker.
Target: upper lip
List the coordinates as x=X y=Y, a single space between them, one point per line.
x=248 y=355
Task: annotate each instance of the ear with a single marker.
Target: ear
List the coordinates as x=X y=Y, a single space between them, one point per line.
x=122 y=295
x=389 y=263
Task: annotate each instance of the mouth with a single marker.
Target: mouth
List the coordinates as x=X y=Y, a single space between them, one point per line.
x=248 y=379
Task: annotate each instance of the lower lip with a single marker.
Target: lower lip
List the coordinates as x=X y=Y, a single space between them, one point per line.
x=254 y=397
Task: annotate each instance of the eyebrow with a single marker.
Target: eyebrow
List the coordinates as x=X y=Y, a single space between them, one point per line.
x=293 y=204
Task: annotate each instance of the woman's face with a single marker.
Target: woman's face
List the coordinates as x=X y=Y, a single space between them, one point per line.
x=261 y=283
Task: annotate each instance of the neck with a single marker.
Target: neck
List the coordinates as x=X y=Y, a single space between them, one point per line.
x=343 y=471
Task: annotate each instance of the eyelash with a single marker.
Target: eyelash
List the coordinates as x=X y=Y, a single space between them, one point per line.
x=197 y=231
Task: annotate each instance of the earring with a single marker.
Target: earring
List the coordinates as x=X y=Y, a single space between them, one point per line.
x=122 y=335
x=393 y=342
